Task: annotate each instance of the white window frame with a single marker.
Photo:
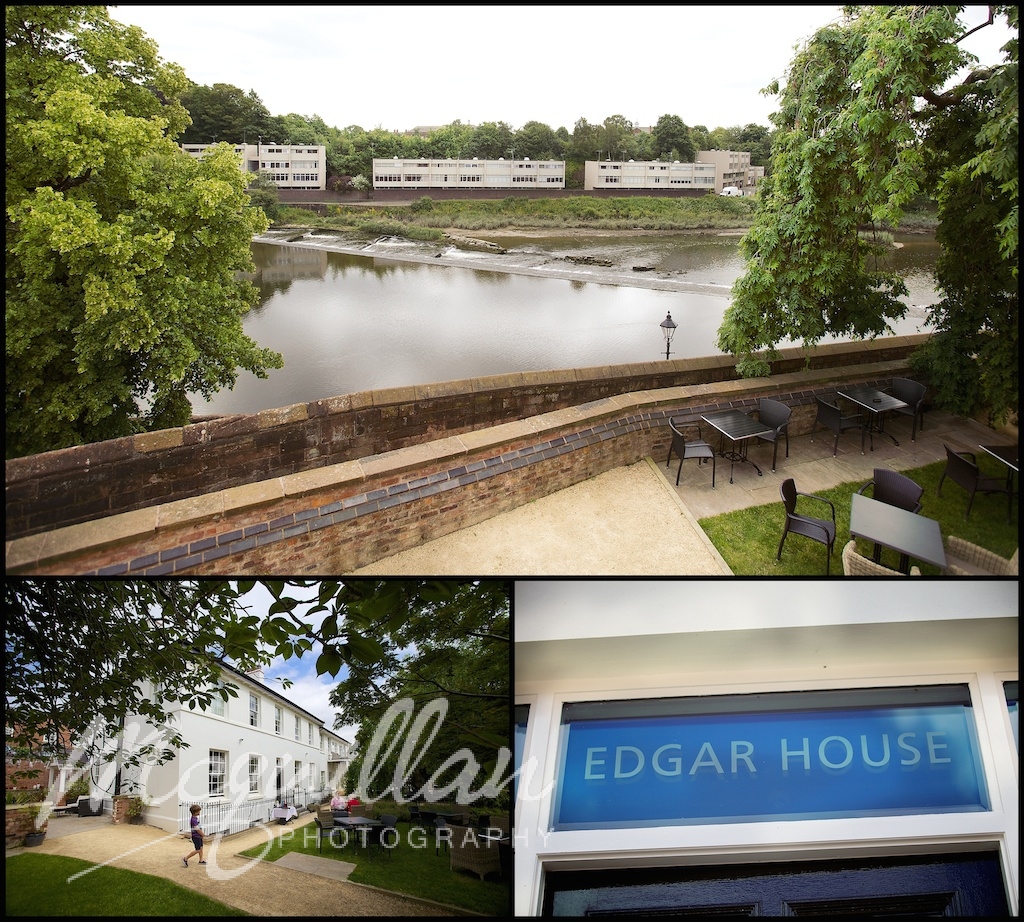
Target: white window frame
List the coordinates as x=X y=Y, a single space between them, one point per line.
x=254 y=774
x=277 y=720
x=254 y=710
x=218 y=771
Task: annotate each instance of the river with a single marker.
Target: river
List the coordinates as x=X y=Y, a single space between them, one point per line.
x=351 y=316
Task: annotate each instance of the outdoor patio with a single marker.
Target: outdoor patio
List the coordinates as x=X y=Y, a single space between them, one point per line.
x=636 y=521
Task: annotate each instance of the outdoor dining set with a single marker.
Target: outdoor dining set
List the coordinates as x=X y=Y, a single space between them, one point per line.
x=885 y=511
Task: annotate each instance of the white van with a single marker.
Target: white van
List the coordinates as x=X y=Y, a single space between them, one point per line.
x=731 y=190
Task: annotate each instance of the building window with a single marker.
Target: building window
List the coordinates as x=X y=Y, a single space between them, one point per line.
x=254 y=774
x=306 y=177
x=296 y=726
x=218 y=770
x=254 y=711
x=217 y=703
x=310 y=728
x=277 y=721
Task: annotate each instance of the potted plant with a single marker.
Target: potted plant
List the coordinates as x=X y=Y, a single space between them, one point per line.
x=135 y=809
x=36 y=832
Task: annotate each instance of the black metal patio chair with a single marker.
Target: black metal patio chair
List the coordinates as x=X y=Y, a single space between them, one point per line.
x=896 y=489
x=821 y=530
x=912 y=394
x=831 y=417
x=695 y=448
x=962 y=468
x=775 y=414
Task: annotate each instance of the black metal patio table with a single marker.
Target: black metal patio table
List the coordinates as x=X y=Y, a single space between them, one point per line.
x=877 y=403
x=909 y=533
x=739 y=428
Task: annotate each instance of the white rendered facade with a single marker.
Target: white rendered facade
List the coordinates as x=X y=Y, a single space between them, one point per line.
x=732 y=168
x=257 y=747
x=631 y=176
x=291 y=166
x=425 y=174
x=623 y=642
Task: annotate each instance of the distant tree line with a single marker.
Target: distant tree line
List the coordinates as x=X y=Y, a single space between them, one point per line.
x=223 y=112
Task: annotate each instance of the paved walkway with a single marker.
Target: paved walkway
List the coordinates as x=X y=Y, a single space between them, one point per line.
x=635 y=521
x=262 y=888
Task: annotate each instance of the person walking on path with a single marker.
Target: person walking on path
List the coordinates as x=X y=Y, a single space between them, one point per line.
x=197 y=835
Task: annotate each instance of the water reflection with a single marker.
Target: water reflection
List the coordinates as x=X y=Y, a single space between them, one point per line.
x=353 y=321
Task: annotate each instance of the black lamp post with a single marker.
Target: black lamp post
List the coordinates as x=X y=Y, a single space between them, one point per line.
x=668 y=327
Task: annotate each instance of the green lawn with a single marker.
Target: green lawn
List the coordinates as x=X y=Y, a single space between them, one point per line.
x=411 y=868
x=749 y=538
x=37 y=885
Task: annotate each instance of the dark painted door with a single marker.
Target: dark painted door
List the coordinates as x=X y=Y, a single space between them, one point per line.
x=968 y=884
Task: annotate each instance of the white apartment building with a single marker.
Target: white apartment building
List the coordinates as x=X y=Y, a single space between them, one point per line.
x=244 y=755
x=422 y=174
x=732 y=168
x=297 y=166
x=769 y=747
x=634 y=175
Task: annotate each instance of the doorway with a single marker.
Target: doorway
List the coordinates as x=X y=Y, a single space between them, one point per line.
x=967 y=884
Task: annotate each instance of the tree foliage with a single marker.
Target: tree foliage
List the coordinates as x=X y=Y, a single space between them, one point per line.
x=77 y=650
x=122 y=251
x=866 y=124
x=451 y=642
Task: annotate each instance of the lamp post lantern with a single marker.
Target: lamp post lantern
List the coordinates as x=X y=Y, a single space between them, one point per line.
x=668 y=327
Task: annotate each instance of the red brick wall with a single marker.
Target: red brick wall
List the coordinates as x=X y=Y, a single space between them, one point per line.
x=89 y=482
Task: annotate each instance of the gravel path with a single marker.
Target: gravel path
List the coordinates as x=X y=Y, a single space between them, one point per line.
x=259 y=887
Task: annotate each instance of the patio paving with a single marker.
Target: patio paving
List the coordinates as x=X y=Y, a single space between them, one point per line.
x=635 y=521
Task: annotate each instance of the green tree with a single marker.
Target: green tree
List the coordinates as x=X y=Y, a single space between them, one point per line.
x=262 y=192
x=122 y=251
x=81 y=649
x=872 y=113
x=223 y=112
x=672 y=140
x=452 y=644
x=537 y=141
x=491 y=140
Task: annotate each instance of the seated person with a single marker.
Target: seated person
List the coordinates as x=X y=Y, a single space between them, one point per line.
x=338 y=801
x=353 y=802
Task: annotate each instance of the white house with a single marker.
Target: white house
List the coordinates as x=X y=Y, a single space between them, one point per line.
x=244 y=756
x=797 y=746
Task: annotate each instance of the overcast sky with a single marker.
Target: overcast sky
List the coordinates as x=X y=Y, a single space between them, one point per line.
x=397 y=67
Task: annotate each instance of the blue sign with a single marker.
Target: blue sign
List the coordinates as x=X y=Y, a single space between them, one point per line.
x=797 y=764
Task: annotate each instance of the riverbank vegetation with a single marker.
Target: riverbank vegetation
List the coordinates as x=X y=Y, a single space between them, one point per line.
x=426 y=218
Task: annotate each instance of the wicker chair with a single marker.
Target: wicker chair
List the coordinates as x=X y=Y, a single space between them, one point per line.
x=831 y=417
x=692 y=449
x=856 y=565
x=912 y=394
x=962 y=468
x=821 y=530
x=473 y=853
x=966 y=559
x=775 y=415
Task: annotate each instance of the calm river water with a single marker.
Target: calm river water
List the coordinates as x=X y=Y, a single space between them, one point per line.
x=349 y=316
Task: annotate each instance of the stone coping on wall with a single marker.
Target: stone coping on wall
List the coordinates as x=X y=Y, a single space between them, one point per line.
x=493 y=450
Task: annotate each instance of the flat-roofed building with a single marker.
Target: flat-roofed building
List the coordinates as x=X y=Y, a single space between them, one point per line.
x=634 y=175
x=733 y=168
x=473 y=174
x=290 y=166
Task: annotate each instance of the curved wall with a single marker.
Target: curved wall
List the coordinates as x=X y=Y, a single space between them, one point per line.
x=89 y=482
